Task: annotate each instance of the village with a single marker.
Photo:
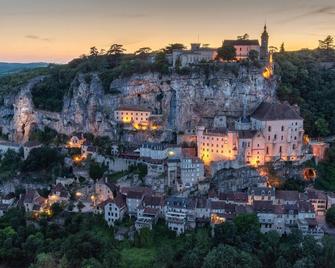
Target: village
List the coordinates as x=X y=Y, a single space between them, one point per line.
x=176 y=181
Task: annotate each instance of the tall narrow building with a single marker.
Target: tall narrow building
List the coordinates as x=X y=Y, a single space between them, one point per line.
x=264 y=51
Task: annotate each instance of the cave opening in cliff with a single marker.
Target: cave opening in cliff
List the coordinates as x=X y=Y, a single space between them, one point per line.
x=23 y=129
x=310 y=174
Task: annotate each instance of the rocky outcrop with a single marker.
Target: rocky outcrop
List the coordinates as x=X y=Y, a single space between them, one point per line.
x=182 y=100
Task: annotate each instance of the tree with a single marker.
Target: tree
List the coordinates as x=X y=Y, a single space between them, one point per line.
x=282 y=48
x=322 y=127
x=243 y=37
x=42 y=159
x=327 y=43
x=253 y=55
x=176 y=46
x=96 y=171
x=116 y=49
x=94 y=52
x=227 y=53
x=45 y=260
x=143 y=51
x=330 y=216
x=161 y=64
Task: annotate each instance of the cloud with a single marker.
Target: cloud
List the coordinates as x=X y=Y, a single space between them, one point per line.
x=328 y=10
x=36 y=37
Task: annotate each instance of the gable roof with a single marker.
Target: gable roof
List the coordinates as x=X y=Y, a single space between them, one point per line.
x=276 y=111
x=253 y=42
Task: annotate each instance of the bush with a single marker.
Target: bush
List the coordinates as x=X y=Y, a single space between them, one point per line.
x=42 y=159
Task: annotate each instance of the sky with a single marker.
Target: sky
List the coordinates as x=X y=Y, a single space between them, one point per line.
x=59 y=30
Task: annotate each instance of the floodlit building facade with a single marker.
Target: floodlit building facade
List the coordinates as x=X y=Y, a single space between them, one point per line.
x=134 y=115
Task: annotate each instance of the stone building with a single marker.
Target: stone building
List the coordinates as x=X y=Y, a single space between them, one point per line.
x=216 y=144
x=283 y=130
x=273 y=132
x=136 y=116
x=242 y=47
x=196 y=54
x=191 y=171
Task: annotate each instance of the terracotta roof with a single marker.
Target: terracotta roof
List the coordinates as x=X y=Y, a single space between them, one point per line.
x=234 y=196
x=288 y=195
x=125 y=190
x=155 y=201
x=29 y=196
x=276 y=111
x=305 y=206
x=218 y=204
x=151 y=211
x=253 y=42
x=263 y=207
x=314 y=194
x=135 y=195
x=261 y=191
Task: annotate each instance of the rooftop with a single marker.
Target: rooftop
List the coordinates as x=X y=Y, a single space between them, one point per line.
x=253 y=42
x=276 y=111
x=133 y=108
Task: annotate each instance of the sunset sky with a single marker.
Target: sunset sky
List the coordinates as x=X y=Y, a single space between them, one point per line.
x=58 y=30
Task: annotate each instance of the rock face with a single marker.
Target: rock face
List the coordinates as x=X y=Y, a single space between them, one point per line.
x=182 y=101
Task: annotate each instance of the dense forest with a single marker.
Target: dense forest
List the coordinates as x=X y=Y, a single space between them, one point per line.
x=86 y=241
x=307 y=78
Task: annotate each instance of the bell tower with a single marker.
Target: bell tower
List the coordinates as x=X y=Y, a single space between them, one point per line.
x=264 y=52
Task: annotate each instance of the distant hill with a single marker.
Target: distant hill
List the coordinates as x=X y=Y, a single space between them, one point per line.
x=9 y=68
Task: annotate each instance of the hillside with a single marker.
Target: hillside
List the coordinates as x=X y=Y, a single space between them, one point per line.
x=10 y=68
x=81 y=95
x=308 y=79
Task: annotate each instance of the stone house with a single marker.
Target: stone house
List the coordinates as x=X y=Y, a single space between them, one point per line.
x=114 y=209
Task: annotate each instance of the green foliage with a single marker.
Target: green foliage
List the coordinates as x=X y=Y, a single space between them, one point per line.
x=140 y=169
x=306 y=82
x=9 y=164
x=227 y=53
x=96 y=171
x=293 y=185
x=48 y=94
x=47 y=136
x=176 y=46
x=330 y=216
x=86 y=241
x=42 y=159
x=253 y=55
x=11 y=83
x=326 y=172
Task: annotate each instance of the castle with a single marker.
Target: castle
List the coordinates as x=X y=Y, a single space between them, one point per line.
x=198 y=53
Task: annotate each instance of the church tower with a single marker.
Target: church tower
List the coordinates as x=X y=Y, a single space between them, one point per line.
x=264 y=52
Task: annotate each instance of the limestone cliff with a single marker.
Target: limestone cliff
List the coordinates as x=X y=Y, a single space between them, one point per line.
x=182 y=101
